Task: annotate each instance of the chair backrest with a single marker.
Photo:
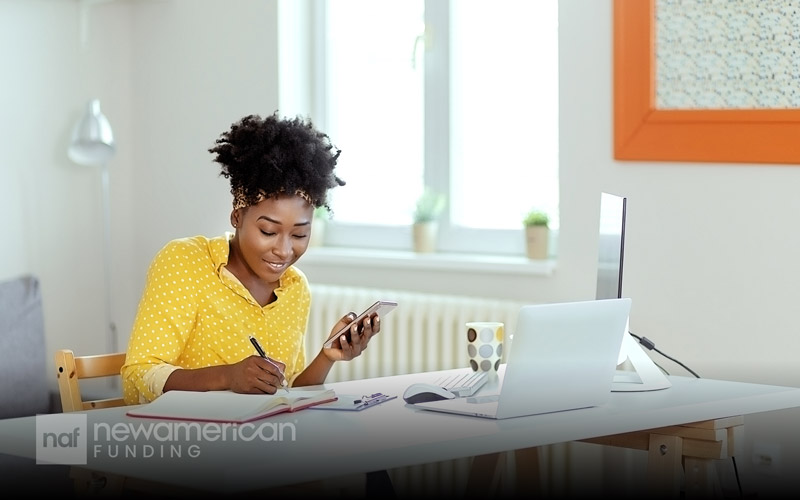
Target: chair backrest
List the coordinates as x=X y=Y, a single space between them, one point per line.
x=70 y=369
x=24 y=389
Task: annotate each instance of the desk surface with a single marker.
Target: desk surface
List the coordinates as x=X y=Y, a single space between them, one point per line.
x=336 y=443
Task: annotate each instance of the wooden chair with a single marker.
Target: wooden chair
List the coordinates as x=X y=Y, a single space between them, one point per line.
x=70 y=369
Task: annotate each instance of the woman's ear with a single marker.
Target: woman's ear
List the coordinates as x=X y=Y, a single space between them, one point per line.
x=235 y=218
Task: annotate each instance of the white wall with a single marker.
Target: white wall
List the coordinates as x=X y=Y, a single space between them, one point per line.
x=171 y=76
x=710 y=249
x=711 y=253
x=52 y=217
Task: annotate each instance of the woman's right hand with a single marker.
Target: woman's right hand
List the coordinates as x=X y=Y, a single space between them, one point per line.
x=255 y=375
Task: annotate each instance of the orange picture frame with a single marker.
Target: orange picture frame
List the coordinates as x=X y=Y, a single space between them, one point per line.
x=642 y=132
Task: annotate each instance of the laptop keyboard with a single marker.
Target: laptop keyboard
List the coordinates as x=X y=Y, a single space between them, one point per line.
x=463 y=384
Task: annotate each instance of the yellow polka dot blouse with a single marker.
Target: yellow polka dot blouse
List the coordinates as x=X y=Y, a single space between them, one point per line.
x=194 y=313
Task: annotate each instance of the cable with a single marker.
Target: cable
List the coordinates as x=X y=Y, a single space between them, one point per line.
x=661 y=368
x=649 y=344
x=736 y=471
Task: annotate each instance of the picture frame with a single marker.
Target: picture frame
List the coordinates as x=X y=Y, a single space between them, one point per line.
x=644 y=133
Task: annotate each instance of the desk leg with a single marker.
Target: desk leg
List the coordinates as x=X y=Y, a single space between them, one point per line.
x=664 y=465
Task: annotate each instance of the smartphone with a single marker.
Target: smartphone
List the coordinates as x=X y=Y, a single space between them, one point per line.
x=382 y=307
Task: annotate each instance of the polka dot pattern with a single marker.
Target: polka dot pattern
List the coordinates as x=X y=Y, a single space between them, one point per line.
x=194 y=313
x=485 y=345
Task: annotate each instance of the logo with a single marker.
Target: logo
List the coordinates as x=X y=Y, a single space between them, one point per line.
x=66 y=438
x=61 y=439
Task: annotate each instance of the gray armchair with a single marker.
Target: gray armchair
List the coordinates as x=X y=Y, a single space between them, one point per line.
x=23 y=368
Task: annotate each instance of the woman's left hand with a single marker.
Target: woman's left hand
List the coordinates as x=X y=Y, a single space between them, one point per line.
x=360 y=335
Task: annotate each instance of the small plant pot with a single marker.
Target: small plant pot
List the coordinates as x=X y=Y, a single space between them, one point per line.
x=536 y=241
x=424 y=236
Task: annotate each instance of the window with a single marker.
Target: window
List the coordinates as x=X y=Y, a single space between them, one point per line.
x=460 y=96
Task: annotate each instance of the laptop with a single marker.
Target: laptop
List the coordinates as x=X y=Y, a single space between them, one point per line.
x=563 y=356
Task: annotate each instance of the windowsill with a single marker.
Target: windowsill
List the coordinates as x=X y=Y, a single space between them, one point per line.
x=389 y=259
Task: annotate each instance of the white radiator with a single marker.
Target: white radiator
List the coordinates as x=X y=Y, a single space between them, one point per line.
x=424 y=332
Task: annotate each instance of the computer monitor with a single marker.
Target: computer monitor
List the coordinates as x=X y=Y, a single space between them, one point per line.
x=636 y=371
x=611 y=246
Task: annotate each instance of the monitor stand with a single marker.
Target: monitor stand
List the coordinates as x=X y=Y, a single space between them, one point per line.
x=640 y=372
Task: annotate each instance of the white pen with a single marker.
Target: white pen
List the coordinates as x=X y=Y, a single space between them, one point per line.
x=263 y=354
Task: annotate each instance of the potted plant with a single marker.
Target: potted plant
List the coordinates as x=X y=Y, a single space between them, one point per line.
x=537 y=232
x=427 y=211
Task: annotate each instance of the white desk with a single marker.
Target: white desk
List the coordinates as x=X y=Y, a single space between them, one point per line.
x=337 y=443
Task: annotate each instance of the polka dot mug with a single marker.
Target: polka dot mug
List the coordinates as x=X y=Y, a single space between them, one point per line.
x=485 y=344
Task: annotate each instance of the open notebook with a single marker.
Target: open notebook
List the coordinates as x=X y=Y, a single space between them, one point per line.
x=228 y=406
x=563 y=356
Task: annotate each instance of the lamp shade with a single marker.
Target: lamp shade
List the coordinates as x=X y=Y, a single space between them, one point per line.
x=92 y=138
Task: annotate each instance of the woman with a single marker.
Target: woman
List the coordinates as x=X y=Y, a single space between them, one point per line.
x=204 y=297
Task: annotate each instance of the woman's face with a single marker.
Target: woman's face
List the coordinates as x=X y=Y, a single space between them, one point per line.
x=273 y=234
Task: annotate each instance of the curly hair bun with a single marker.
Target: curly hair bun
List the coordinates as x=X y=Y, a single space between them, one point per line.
x=263 y=157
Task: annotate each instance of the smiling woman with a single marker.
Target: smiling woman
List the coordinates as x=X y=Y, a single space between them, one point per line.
x=206 y=297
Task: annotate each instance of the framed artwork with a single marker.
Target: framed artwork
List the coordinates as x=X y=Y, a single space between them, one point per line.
x=743 y=99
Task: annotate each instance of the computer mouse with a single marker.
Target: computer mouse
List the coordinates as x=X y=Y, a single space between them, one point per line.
x=422 y=393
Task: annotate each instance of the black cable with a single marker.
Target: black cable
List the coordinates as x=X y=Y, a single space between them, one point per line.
x=649 y=344
x=736 y=471
x=661 y=368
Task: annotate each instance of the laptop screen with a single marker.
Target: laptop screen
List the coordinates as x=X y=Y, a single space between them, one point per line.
x=611 y=246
